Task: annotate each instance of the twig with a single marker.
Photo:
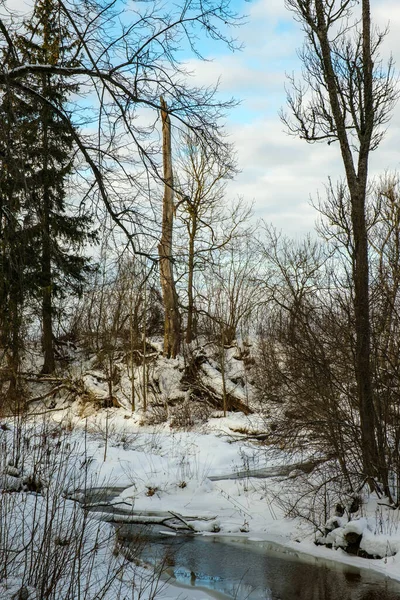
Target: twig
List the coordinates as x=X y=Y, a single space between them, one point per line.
x=182 y=519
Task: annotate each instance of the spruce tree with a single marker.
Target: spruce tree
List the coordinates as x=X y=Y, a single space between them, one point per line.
x=13 y=249
x=57 y=236
x=47 y=242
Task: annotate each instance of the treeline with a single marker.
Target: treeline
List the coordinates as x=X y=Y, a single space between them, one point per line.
x=78 y=160
x=80 y=163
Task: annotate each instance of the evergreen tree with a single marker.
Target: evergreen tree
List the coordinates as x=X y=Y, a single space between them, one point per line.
x=12 y=244
x=40 y=248
x=56 y=237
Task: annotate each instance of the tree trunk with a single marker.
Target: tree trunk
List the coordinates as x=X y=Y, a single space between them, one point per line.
x=190 y=315
x=363 y=335
x=48 y=347
x=172 y=322
x=357 y=185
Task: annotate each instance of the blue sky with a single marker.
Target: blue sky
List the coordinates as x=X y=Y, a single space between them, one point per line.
x=280 y=173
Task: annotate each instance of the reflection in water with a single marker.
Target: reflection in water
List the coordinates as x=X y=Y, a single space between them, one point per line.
x=255 y=572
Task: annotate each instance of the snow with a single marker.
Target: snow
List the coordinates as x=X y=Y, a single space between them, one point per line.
x=162 y=470
x=162 y=461
x=156 y=471
x=379 y=544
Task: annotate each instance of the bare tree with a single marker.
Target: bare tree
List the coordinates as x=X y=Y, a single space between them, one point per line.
x=231 y=290
x=347 y=99
x=383 y=224
x=303 y=370
x=172 y=318
x=384 y=237
x=125 y=59
x=201 y=182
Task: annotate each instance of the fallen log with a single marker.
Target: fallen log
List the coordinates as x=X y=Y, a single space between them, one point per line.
x=234 y=401
x=115 y=512
x=63 y=386
x=213 y=398
x=170 y=520
x=266 y=472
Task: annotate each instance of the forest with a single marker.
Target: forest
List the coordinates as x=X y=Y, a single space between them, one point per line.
x=124 y=258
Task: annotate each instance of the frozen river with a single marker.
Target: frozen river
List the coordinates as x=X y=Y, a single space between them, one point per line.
x=257 y=571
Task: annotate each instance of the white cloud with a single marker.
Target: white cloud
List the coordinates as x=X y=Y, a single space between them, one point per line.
x=281 y=173
x=273 y=10
x=235 y=75
x=18 y=6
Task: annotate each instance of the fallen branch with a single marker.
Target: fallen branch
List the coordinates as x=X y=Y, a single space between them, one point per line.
x=144 y=519
x=52 y=392
x=182 y=520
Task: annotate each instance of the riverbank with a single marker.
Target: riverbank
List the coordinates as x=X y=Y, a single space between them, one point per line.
x=249 y=570
x=202 y=477
x=205 y=475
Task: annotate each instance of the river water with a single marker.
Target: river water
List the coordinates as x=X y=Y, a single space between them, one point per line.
x=256 y=571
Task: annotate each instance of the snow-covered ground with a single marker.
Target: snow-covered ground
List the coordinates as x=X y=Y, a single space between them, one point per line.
x=158 y=471
x=165 y=470
x=211 y=480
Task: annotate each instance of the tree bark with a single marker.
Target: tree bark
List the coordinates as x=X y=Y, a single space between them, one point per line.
x=190 y=315
x=47 y=308
x=172 y=320
x=357 y=185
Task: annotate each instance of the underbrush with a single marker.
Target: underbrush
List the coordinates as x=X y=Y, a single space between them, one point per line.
x=51 y=548
x=343 y=514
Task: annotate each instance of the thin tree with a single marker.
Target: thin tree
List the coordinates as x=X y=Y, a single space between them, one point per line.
x=172 y=318
x=348 y=97
x=231 y=290
x=201 y=182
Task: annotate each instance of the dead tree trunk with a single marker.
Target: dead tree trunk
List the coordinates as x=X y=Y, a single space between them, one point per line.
x=172 y=320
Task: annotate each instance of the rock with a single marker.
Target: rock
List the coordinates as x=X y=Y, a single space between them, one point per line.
x=245 y=527
x=352 y=537
x=355 y=505
x=353 y=540
x=9 y=483
x=12 y=471
x=331 y=524
x=339 y=510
